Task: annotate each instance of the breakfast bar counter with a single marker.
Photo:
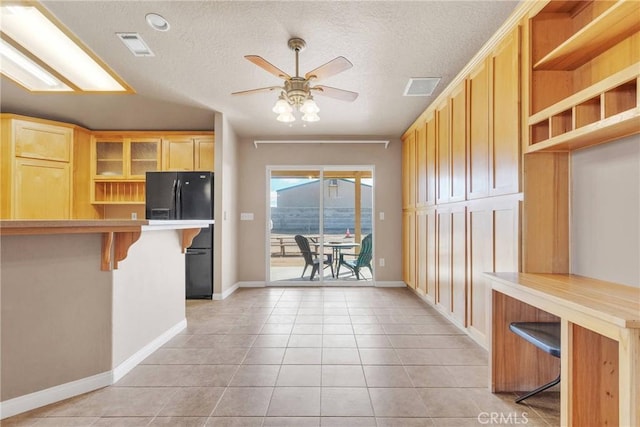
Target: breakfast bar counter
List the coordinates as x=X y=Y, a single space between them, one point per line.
x=83 y=302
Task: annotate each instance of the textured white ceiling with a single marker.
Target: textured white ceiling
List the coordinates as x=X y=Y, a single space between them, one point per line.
x=199 y=62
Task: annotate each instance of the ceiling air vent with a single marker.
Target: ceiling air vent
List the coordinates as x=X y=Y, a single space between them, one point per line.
x=136 y=45
x=421 y=86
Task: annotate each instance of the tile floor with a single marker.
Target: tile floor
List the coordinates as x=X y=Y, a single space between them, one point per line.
x=306 y=357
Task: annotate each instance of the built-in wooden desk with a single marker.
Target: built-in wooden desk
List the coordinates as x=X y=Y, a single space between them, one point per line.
x=600 y=348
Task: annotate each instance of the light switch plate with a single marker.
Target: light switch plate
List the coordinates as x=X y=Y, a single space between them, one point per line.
x=246 y=216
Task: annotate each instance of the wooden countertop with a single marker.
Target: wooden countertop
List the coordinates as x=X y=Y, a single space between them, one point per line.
x=611 y=302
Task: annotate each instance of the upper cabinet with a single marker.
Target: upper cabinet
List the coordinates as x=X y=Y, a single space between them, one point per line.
x=120 y=161
x=36 y=168
x=584 y=65
x=188 y=153
x=125 y=157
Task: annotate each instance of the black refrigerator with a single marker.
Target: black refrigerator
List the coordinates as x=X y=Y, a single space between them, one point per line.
x=183 y=196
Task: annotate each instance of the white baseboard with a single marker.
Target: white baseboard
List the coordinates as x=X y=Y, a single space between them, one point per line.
x=30 y=401
x=123 y=369
x=390 y=284
x=40 y=398
x=251 y=284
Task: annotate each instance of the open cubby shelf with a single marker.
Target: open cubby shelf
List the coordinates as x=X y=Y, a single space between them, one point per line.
x=610 y=110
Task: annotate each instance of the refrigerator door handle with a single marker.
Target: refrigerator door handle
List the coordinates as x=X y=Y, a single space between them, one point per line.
x=178 y=199
x=196 y=252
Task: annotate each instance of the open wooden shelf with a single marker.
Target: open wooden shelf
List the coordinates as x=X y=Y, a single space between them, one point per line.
x=613 y=25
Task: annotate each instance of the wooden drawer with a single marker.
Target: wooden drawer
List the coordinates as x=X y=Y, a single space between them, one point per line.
x=43 y=141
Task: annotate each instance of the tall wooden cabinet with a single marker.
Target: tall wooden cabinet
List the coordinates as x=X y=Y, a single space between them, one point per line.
x=467 y=149
x=37 y=163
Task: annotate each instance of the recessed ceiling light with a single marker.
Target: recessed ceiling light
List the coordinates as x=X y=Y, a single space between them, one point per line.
x=157 y=22
x=33 y=29
x=421 y=86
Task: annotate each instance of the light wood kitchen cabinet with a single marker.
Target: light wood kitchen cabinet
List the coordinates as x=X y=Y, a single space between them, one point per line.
x=443 y=153
x=187 y=153
x=458 y=144
x=421 y=251
x=459 y=265
x=504 y=155
x=479 y=105
x=119 y=164
x=421 y=165
x=42 y=189
x=36 y=163
x=409 y=248
x=409 y=161
x=431 y=160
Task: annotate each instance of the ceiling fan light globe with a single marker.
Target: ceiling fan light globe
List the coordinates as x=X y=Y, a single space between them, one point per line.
x=311 y=117
x=282 y=106
x=286 y=117
x=309 y=107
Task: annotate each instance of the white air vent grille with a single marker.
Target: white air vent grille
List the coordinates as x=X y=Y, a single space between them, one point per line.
x=136 y=45
x=421 y=86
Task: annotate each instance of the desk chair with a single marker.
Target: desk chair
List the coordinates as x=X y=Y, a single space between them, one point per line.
x=545 y=336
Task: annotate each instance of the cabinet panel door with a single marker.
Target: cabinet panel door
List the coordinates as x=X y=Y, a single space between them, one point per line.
x=409 y=171
x=205 y=155
x=431 y=258
x=421 y=252
x=42 y=141
x=458 y=141
x=480 y=241
x=478 y=172
x=421 y=164
x=459 y=265
x=506 y=240
x=431 y=160
x=443 y=154
x=178 y=154
x=42 y=189
x=443 y=283
x=505 y=143
x=109 y=157
x=409 y=248
x=144 y=156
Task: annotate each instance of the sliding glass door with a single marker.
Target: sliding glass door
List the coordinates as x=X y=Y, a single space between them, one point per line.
x=318 y=220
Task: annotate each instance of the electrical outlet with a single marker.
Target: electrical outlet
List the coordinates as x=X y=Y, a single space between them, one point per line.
x=381 y=262
x=134 y=215
x=381 y=216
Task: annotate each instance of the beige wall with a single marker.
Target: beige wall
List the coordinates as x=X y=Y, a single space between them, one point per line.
x=252 y=197
x=56 y=311
x=605 y=211
x=225 y=256
x=148 y=292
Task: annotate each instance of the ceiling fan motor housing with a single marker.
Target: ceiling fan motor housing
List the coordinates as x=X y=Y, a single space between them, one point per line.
x=296 y=90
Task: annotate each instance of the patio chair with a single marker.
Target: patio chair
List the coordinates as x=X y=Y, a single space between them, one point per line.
x=311 y=258
x=363 y=258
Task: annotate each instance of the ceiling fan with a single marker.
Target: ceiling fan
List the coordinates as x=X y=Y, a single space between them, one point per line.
x=296 y=91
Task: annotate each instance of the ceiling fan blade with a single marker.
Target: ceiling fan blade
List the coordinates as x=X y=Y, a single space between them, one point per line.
x=267 y=66
x=332 y=92
x=262 y=89
x=335 y=66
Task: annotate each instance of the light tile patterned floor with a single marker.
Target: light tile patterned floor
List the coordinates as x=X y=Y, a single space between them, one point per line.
x=306 y=357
